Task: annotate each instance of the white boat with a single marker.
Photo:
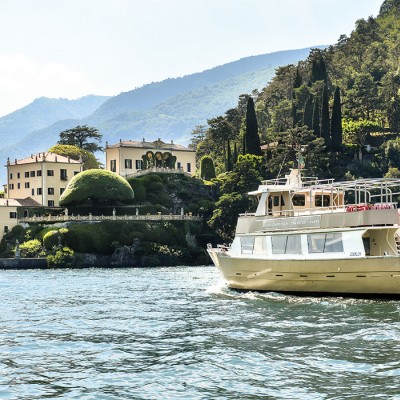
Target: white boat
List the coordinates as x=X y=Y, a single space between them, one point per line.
x=316 y=236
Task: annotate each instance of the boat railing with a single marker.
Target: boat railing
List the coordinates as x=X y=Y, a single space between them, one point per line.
x=328 y=209
x=305 y=181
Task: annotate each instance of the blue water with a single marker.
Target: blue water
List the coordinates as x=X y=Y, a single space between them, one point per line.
x=177 y=333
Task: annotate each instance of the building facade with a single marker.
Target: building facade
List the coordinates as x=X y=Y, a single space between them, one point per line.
x=129 y=157
x=12 y=209
x=42 y=177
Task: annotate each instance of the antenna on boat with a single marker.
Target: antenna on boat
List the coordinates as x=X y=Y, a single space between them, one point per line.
x=280 y=168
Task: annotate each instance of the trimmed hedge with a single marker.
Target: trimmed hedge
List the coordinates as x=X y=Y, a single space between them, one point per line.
x=96 y=185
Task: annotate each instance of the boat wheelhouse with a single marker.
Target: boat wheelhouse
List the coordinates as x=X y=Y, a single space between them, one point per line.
x=317 y=236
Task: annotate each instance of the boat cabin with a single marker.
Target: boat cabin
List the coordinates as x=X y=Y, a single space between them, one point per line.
x=296 y=196
x=298 y=202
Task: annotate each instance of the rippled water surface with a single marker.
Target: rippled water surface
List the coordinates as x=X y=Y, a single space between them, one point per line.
x=177 y=333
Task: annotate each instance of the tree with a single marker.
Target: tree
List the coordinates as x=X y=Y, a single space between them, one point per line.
x=97 y=186
x=325 y=123
x=246 y=176
x=253 y=145
x=336 y=122
x=318 y=66
x=207 y=169
x=229 y=161
x=308 y=113
x=76 y=153
x=235 y=154
x=221 y=131
x=80 y=136
x=297 y=82
x=316 y=119
x=198 y=135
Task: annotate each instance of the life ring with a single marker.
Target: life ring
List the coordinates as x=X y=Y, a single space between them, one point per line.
x=351 y=208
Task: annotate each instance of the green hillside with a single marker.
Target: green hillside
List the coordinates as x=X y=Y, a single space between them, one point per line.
x=148 y=96
x=169 y=109
x=177 y=116
x=336 y=115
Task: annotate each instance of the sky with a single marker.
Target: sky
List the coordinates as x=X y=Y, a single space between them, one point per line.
x=73 y=48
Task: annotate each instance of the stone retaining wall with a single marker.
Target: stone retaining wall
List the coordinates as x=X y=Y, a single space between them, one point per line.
x=23 y=263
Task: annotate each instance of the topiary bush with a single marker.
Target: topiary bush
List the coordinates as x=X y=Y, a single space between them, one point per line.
x=138 y=188
x=207 y=169
x=98 y=186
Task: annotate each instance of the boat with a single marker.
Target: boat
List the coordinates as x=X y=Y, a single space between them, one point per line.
x=314 y=236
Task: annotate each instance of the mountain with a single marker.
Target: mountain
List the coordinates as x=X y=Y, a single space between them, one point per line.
x=169 y=109
x=43 y=112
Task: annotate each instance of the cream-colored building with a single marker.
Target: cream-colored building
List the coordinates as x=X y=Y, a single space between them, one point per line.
x=13 y=209
x=127 y=158
x=42 y=177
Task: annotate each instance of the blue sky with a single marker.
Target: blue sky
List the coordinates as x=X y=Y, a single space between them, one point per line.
x=71 y=48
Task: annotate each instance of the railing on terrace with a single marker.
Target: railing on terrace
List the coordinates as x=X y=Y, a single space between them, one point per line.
x=90 y=217
x=158 y=170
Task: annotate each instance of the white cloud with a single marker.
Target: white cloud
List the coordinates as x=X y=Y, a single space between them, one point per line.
x=22 y=80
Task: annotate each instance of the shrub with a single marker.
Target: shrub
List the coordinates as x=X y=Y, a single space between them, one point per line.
x=207 y=169
x=50 y=239
x=138 y=188
x=31 y=249
x=62 y=257
x=96 y=185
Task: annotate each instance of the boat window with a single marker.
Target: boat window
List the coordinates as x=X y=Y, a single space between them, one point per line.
x=322 y=200
x=282 y=201
x=325 y=243
x=260 y=245
x=333 y=243
x=293 y=245
x=299 y=200
x=278 y=244
x=276 y=201
x=247 y=244
x=286 y=244
x=316 y=243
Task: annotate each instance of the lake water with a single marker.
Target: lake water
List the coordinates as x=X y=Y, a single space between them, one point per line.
x=177 y=333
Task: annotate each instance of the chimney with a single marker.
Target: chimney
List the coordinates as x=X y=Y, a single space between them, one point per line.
x=8 y=160
x=16 y=161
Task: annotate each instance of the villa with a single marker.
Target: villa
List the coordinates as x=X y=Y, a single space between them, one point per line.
x=130 y=158
x=41 y=177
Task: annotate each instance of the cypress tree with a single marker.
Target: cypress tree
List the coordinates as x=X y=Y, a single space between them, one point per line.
x=253 y=145
x=325 y=123
x=207 y=169
x=229 y=162
x=308 y=113
x=336 y=122
x=235 y=154
x=297 y=79
x=318 y=69
x=294 y=114
x=316 y=119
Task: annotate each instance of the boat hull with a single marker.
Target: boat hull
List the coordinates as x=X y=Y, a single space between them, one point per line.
x=366 y=275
